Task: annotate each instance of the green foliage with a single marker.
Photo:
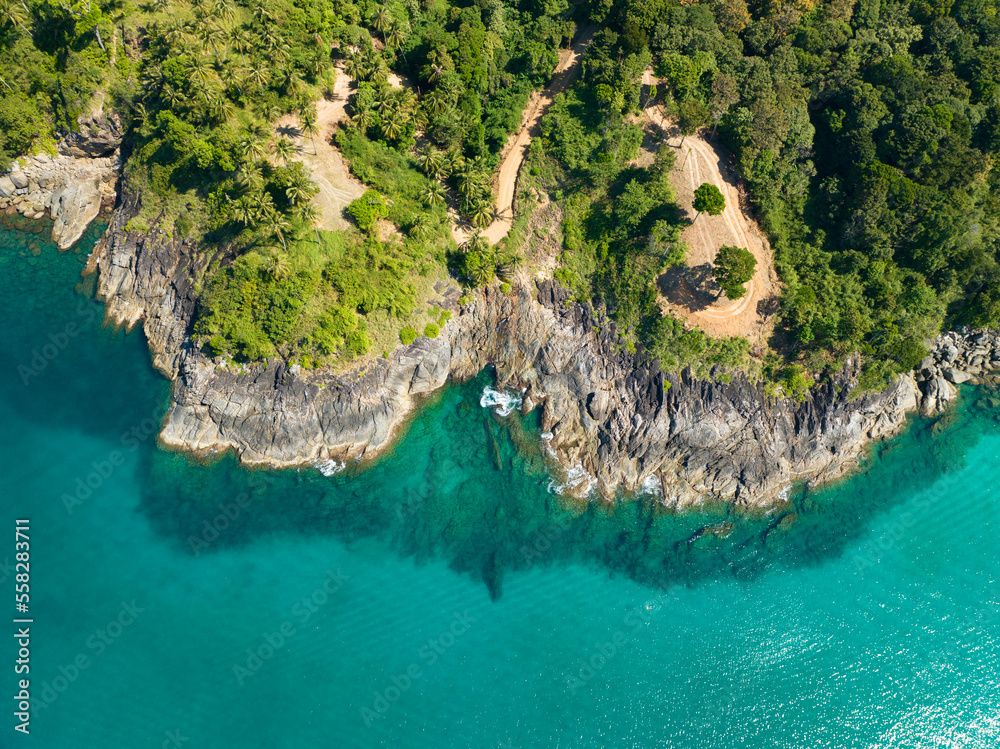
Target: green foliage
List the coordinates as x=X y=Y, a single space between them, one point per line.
x=709 y=199
x=733 y=267
x=368 y=209
x=21 y=126
x=431 y=330
x=407 y=335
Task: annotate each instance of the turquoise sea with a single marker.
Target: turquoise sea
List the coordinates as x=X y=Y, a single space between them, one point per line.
x=445 y=597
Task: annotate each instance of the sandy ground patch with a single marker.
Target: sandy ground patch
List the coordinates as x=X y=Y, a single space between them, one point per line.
x=337 y=188
x=690 y=292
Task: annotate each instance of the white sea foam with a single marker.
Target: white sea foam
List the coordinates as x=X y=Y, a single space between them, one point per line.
x=329 y=467
x=652 y=486
x=504 y=402
x=575 y=481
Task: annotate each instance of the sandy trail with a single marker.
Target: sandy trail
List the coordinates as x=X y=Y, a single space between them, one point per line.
x=698 y=161
x=516 y=150
x=337 y=188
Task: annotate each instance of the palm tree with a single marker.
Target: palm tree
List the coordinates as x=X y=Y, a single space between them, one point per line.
x=259 y=76
x=199 y=70
x=283 y=149
x=396 y=37
x=243 y=211
x=300 y=190
x=210 y=36
x=263 y=207
x=506 y=261
x=308 y=214
x=381 y=20
x=242 y=41
x=363 y=119
x=482 y=214
x=174 y=97
x=308 y=119
x=252 y=148
x=222 y=110
x=433 y=194
x=421 y=227
x=280 y=265
x=278 y=226
x=14 y=13
x=263 y=13
x=431 y=162
x=354 y=66
x=392 y=127
x=224 y=10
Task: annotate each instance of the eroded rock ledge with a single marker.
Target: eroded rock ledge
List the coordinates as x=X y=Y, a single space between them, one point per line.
x=612 y=414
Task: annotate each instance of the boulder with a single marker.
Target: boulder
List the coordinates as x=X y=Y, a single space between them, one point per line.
x=7 y=186
x=957 y=376
x=73 y=207
x=19 y=178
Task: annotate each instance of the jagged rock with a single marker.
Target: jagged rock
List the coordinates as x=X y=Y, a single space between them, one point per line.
x=99 y=135
x=611 y=413
x=73 y=207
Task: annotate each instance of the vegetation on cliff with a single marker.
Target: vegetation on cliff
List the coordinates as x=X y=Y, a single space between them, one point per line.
x=865 y=131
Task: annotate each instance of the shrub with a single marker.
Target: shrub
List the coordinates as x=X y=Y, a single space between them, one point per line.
x=505 y=288
x=407 y=335
x=368 y=209
x=432 y=330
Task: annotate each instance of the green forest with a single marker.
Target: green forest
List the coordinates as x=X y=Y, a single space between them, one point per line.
x=865 y=132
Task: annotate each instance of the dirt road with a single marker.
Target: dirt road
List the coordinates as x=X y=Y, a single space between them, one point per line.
x=516 y=150
x=698 y=162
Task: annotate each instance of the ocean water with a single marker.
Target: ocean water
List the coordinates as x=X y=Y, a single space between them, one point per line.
x=447 y=596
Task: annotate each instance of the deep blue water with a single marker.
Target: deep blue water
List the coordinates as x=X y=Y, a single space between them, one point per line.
x=444 y=597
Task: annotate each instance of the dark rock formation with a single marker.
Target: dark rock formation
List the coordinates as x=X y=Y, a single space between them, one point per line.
x=611 y=415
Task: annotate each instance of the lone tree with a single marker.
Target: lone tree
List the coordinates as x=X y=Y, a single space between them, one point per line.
x=710 y=199
x=734 y=266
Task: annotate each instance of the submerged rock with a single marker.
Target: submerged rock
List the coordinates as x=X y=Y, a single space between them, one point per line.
x=608 y=414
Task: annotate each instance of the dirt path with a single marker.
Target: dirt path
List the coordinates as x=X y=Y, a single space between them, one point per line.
x=689 y=294
x=337 y=188
x=516 y=150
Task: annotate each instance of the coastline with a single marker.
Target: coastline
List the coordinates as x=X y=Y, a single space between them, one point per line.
x=614 y=416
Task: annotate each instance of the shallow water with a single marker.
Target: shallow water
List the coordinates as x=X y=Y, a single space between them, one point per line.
x=446 y=597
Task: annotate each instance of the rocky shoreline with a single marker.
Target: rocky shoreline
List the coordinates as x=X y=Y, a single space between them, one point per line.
x=614 y=418
x=73 y=187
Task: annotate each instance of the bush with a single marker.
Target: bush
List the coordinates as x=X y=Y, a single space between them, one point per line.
x=432 y=330
x=505 y=288
x=407 y=335
x=368 y=209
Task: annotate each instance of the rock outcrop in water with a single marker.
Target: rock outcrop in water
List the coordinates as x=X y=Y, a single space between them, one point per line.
x=73 y=187
x=613 y=417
